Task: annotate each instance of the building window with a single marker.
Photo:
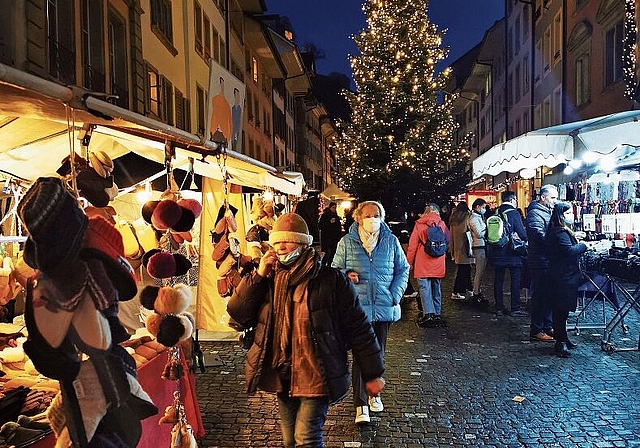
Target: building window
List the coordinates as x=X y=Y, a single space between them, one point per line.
x=60 y=40
x=526 y=76
x=517 y=35
x=153 y=91
x=516 y=83
x=613 y=54
x=510 y=44
x=254 y=69
x=525 y=22
x=557 y=107
x=557 y=37
x=215 y=43
x=197 y=17
x=207 y=39
x=548 y=48
x=582 y=80
x=118 y=59
x=201 y=96
x=179 y=107
x=161 y=18
x=93 y=46
x=167 y=101
x=223 y=53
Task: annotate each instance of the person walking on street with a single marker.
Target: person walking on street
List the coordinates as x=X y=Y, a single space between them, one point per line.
x=504 y=258
x=536 y=223
x=330 y=232
x=428 y=270
x=459 y=248
x=374 y=252
x=478 y=229
x=306 y=316
x=565 y=277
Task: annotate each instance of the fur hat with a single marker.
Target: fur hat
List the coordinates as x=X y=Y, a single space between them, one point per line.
x=168 y=214
x=147 y=210
x=162 y=264
x=290 y=228
x=193 y=205
x=103 y=241
x=101 y=162
x=95 y=188
x=173 y=329
x=55 y=224
x=166 y=300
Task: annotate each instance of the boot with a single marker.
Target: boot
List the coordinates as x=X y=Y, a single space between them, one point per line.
x=571 y=345
x=560 y=350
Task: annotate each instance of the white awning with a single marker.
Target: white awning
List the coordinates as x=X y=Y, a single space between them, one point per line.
x=36 y=114
x=613 y=134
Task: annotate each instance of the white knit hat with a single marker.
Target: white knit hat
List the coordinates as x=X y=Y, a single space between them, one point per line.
x=290 y=228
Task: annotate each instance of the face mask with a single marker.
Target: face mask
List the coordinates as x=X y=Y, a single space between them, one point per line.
x=483 y=211
x=371 y=224
x=287 y=259
x=569 y=222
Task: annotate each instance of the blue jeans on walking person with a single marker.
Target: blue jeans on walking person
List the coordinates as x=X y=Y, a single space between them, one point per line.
x=498 y=282
x=540 y=307
x=301 y=420
x=431 y=295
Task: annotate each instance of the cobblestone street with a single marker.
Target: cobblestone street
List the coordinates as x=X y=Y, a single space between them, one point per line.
x=478 y=382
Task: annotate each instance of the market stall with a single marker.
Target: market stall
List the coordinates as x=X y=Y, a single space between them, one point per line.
x=42 y=123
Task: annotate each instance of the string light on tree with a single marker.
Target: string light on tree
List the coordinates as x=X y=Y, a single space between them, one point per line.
x=629 y=49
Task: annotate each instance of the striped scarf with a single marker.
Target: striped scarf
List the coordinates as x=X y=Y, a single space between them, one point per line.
x=286 y=279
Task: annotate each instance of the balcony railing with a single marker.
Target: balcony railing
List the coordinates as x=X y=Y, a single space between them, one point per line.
x=62 y=62
x=94 y=80
x=122 y=94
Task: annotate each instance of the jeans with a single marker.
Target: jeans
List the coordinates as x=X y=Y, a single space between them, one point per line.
x=540 y=307
x=431 y=295
x=515 y=274
x=360 y=396
x=462 y=283
x=301 y=420
x=480 y=255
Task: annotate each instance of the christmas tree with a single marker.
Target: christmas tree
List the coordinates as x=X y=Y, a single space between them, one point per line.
x=398 y=146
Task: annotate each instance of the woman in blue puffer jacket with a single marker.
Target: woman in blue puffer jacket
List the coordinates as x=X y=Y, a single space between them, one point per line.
x=375 y=254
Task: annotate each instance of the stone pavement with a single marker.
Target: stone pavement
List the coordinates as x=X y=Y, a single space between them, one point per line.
x=478 y=382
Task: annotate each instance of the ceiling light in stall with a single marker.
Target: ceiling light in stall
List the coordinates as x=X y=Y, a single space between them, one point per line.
x=144 y=194
x=575 y=164
x=527 y=173
x=590 y=157
x=267 y=195
x=607 y=163
x=568 y=170
x=346 y=205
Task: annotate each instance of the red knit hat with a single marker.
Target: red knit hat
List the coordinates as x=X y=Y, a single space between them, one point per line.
x=102 y=240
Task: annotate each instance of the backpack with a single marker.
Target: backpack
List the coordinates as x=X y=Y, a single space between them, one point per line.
x=436 y=244
x=498 y=230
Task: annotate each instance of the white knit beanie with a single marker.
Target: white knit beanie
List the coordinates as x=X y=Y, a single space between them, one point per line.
x=290 y=228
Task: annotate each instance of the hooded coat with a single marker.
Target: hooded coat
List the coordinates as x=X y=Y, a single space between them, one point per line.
x=504 y=256
x=383 y=276
x=425 y=266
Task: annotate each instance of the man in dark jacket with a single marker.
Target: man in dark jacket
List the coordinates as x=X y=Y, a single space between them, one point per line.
x=330 y=232
x=504 y=258
x=305 y=315
x=536 y=223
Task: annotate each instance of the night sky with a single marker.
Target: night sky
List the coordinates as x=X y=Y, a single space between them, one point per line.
x=329 y=23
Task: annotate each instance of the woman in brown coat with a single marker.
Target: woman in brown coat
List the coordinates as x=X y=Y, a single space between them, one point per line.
x=459 y=224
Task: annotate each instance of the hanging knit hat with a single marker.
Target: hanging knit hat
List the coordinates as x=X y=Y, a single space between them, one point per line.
x=103 y=241
x=55 y=224
x=290 y=228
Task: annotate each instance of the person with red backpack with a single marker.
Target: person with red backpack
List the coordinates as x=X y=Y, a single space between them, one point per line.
x=428 y=263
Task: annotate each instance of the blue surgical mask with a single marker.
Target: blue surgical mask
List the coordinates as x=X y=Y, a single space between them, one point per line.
x=482 y=211
x=290 y=258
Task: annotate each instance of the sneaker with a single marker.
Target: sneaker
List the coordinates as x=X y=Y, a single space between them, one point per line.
x=362 y=415
x=500 y=312
x=413 y=295
x=542 y=337
x=375 y=404
x=456 y=296
x=425 y=321
x=519 y=313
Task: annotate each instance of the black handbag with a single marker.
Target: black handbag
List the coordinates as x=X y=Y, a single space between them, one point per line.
x=518 y=245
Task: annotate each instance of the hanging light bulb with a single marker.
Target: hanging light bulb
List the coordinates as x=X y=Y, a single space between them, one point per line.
x=192 y=185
